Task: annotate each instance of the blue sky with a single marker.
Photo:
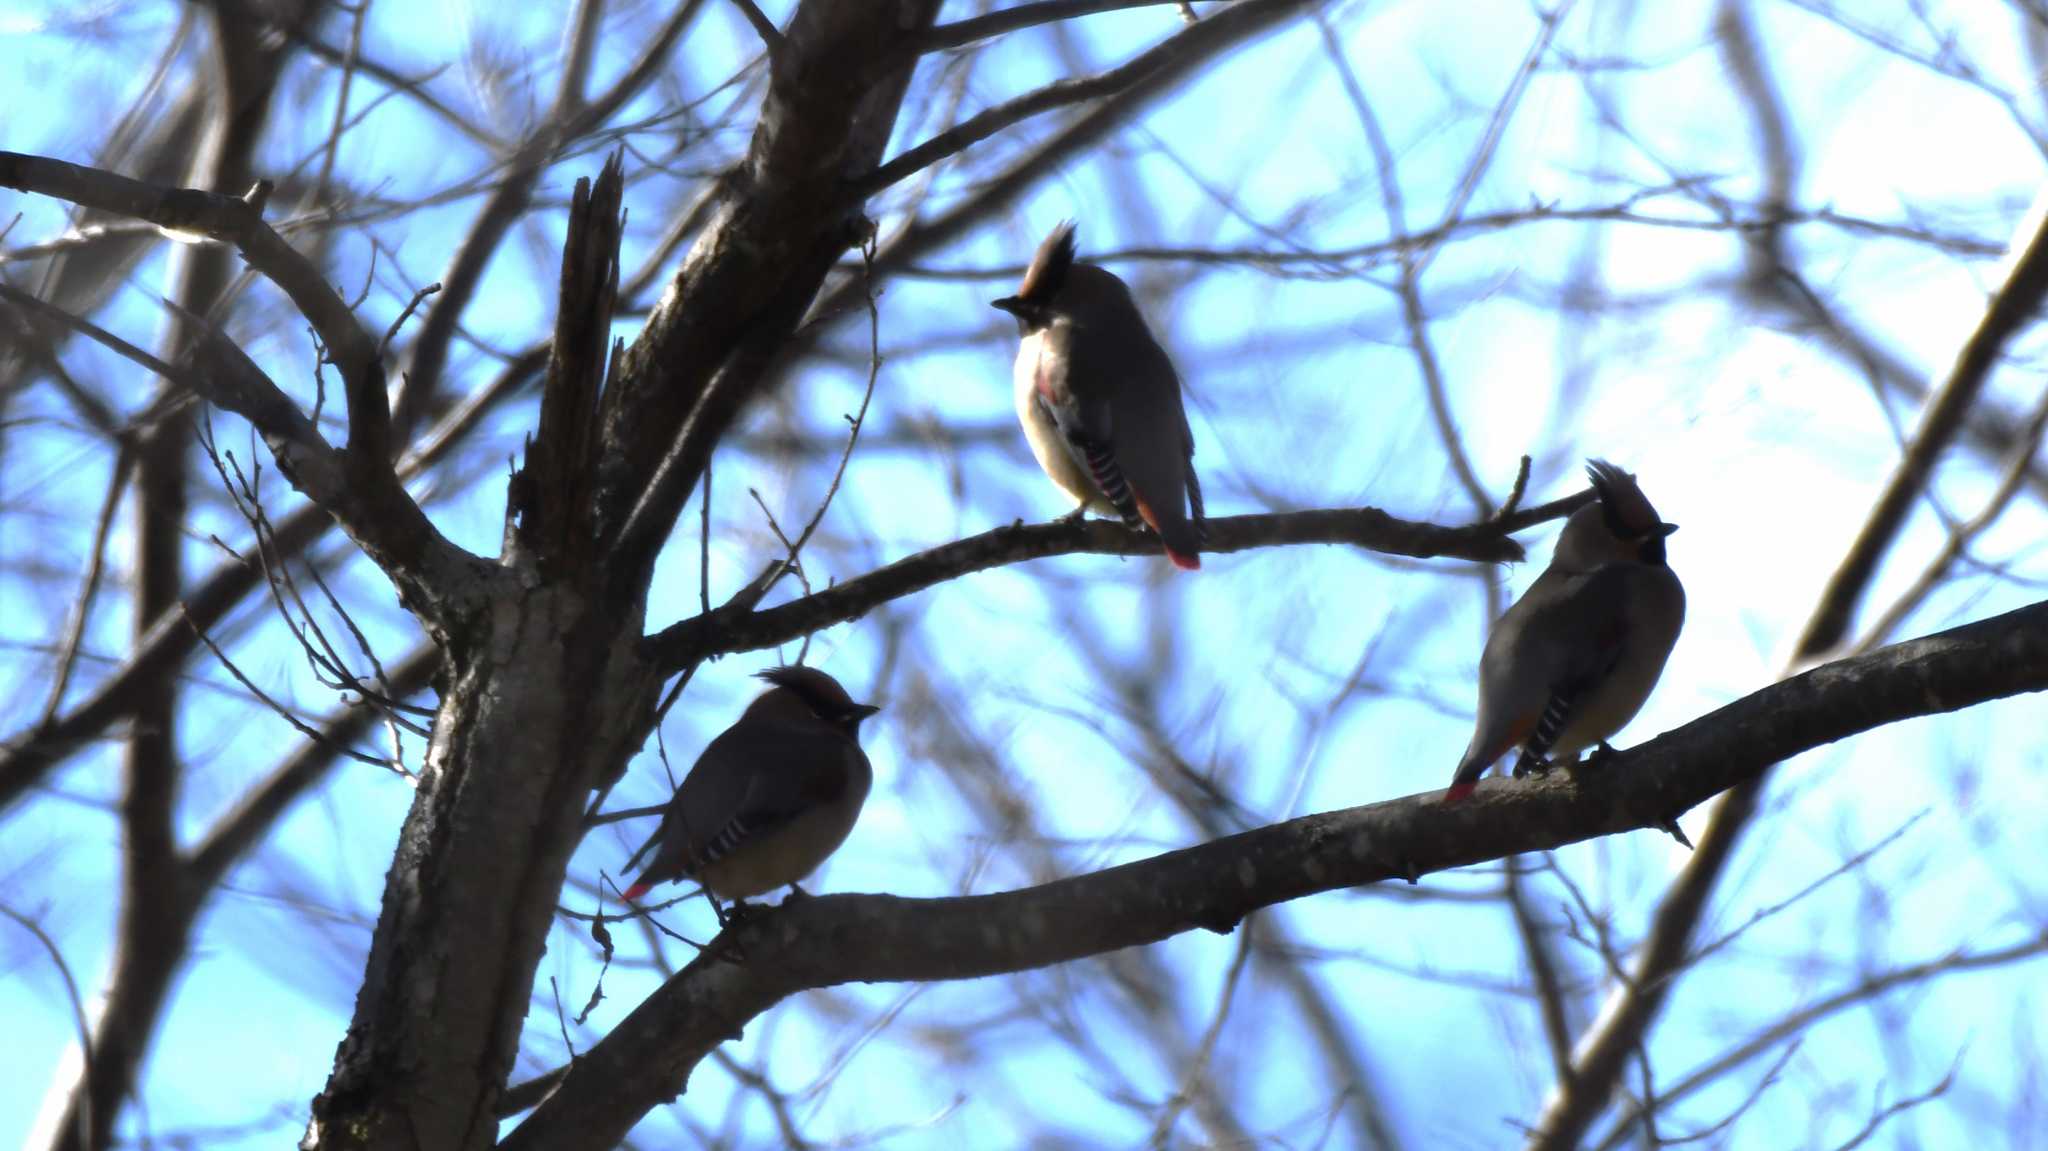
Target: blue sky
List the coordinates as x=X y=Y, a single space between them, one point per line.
x=1761 y=440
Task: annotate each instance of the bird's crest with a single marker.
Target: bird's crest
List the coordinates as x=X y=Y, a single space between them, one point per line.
x=820 y=692
x=1623 y=504
x=1048 y=270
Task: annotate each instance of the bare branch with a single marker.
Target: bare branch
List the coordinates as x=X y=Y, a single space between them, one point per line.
x=829 y=940
x=237 y=221
x=365 y=498
x=1197 y=42
x=2012 y=307
x=729 y=630
x=964 y=32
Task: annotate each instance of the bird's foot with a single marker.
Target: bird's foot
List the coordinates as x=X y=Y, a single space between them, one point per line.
x=732 y=914
x=1073 y=517
x=1601 y=753
x=1532 y=765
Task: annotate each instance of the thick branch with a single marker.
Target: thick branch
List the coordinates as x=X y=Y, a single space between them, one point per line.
x=839 y=939
x=743 y=630
x=434 y=577
x=828 y=113
x=31 y=753
x=237 y=221
x=357 y=487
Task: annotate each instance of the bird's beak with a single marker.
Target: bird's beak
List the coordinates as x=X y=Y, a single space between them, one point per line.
x=1010 y=304
x=863 y=710
x=1666 y=529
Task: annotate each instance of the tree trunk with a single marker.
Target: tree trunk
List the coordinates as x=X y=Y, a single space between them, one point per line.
x=545 y=695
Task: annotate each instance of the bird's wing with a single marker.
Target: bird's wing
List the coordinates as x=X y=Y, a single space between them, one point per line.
x=1552 y=646
x=756 y=778
x=1576 y=641
x=1086 y=423
x=1142 y=399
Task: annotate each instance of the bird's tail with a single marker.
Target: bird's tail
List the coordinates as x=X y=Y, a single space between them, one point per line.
x=1183 y=539
x=1465 y=781
x=643 y=885
x=1470 y=768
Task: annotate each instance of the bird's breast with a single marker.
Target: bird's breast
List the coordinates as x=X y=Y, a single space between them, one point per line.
x=1041 y=382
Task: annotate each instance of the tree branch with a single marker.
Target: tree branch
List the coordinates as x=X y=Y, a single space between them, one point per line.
x=1196 y=43
x=357 y=486
x=172 y=636
x=237 y=221
x=831 y=940
x=828 y=113
x=963 y=32
x=434 y=577
x=561 y=461
x=2012 y=307
x=738 y=628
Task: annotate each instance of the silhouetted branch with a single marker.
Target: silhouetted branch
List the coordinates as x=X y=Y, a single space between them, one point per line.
x=734 y=630
x=830 y=940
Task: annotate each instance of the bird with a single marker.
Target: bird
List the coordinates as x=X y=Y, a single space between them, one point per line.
x=1100 y=401
x=770 y=798
x=1575 y=658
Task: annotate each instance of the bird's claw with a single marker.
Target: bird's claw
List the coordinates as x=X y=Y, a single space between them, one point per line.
x=1532 y=765
x=1073 y=517
x=734 y=913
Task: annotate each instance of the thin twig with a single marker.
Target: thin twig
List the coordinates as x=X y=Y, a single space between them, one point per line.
x=83 y=1096
x=95 y=567
x=301 y=726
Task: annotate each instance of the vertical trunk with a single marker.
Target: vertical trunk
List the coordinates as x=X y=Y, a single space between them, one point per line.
x=153 y=923
x=545 y=695
x=158 y=905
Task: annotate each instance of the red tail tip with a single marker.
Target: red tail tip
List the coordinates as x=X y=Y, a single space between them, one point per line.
x=1186 y=563
x=638 y=890
x=1459 y=791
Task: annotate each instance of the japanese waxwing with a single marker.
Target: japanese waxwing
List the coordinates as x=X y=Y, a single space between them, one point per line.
x=1099 y=400
x=1573 y=660
x=771 y=797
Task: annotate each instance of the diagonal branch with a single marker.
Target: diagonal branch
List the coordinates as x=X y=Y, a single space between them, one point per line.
x=830 y=107
x=1199 y=42
x=961 y=33
x=832 y=940
x=30 y=753
x=436 y=578
x=2012 y=307
x=238 y=221
x=1605 y=1048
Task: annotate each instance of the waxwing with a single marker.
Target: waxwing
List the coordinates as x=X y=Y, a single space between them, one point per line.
x=1099 y=400
x=1573 y=660
x=771 y=797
